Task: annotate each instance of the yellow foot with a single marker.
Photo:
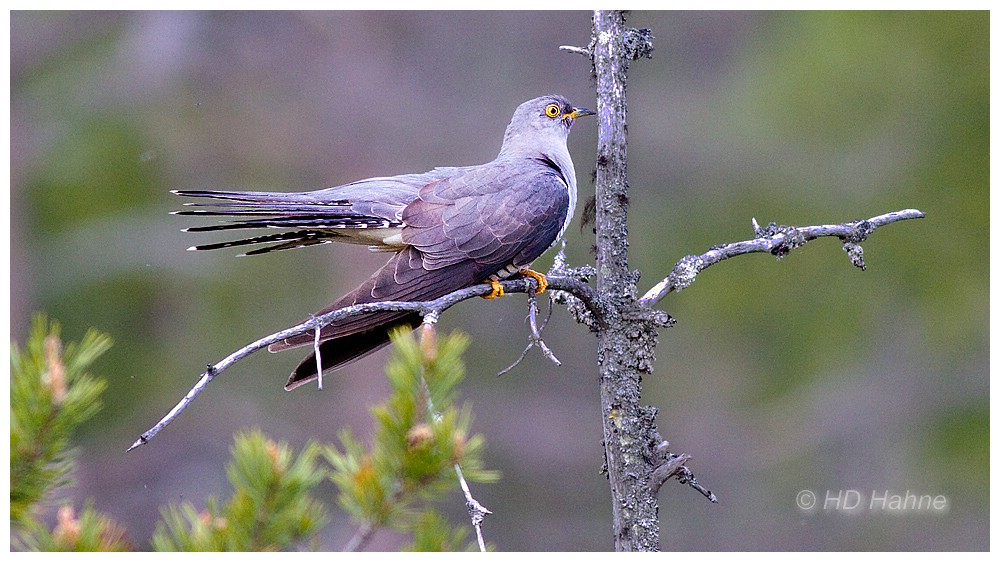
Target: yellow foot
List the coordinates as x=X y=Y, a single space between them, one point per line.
x=497 y=289
x=542 y=282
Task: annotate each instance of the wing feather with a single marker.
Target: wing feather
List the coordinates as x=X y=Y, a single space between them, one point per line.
x=513 y=216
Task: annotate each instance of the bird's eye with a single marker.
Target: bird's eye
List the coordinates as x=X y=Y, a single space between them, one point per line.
x=553 y=110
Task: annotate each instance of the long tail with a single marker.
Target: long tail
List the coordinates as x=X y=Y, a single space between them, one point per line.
x=319 y=220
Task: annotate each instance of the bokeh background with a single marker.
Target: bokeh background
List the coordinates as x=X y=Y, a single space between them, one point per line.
x=780 y=376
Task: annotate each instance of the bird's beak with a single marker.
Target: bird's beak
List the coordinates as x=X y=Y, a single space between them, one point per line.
x=579 y=112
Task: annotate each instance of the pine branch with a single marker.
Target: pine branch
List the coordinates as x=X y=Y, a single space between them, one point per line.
x=270 y=508
x=51 y=394
x=421 y=439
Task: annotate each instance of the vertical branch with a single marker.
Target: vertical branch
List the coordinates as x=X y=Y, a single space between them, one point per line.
x=613 y=280
x=626 y=345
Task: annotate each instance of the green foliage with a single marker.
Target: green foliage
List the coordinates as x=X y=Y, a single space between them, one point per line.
x=433 y=533
x=51 y=394
x=270 y=508
x=420 y=437
x=90 y=532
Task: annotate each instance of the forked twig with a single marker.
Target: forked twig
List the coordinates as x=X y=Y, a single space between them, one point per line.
x=535 y=339
x=476 y=510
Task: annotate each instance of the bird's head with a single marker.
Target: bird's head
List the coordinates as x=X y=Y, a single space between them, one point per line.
x=539 y=122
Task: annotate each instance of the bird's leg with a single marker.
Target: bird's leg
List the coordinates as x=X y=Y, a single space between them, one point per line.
x=543 y=283
x=497 y=289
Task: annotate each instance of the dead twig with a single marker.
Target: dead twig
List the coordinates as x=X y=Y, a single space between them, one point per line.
x=777 y=240
x=535 y=339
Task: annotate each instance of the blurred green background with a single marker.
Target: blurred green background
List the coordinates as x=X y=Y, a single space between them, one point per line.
x=780 y=376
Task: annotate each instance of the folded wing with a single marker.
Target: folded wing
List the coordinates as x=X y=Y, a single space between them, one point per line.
x=458 y=231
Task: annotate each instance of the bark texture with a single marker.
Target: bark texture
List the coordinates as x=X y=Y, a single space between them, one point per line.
x=627 y=341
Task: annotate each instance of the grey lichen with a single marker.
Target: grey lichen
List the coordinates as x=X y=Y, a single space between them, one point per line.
x=686 y=271
x=856 y=254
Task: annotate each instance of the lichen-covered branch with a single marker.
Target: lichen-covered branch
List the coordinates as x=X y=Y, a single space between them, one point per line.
x=627 y=338
x=777 y=240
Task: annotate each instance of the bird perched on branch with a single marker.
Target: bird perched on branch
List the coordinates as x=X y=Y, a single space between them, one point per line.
x=450 y=228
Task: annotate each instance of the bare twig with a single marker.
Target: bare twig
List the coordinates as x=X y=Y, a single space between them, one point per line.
x=319 y=357
x=536 y=331
x=667 y=470
x=685 y=476
x=577 y=50
x=675 y=466
x=430 y=310
x=517 y=361
x=777 y=240
x=476 y=510
x=535 y=339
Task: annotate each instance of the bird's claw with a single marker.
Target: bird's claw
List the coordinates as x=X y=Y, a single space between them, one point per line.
x=543 y=283
x=497 y=289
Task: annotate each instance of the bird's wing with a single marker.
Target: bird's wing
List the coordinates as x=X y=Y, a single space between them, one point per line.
x=459 y=231
x=488 y=218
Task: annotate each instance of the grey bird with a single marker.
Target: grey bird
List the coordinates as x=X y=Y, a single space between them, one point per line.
x=450 y=228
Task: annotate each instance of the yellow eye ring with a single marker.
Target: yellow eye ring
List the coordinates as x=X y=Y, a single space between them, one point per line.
x=553 y=110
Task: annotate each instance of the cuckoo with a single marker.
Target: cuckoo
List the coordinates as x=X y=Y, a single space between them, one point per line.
x=449 y=228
